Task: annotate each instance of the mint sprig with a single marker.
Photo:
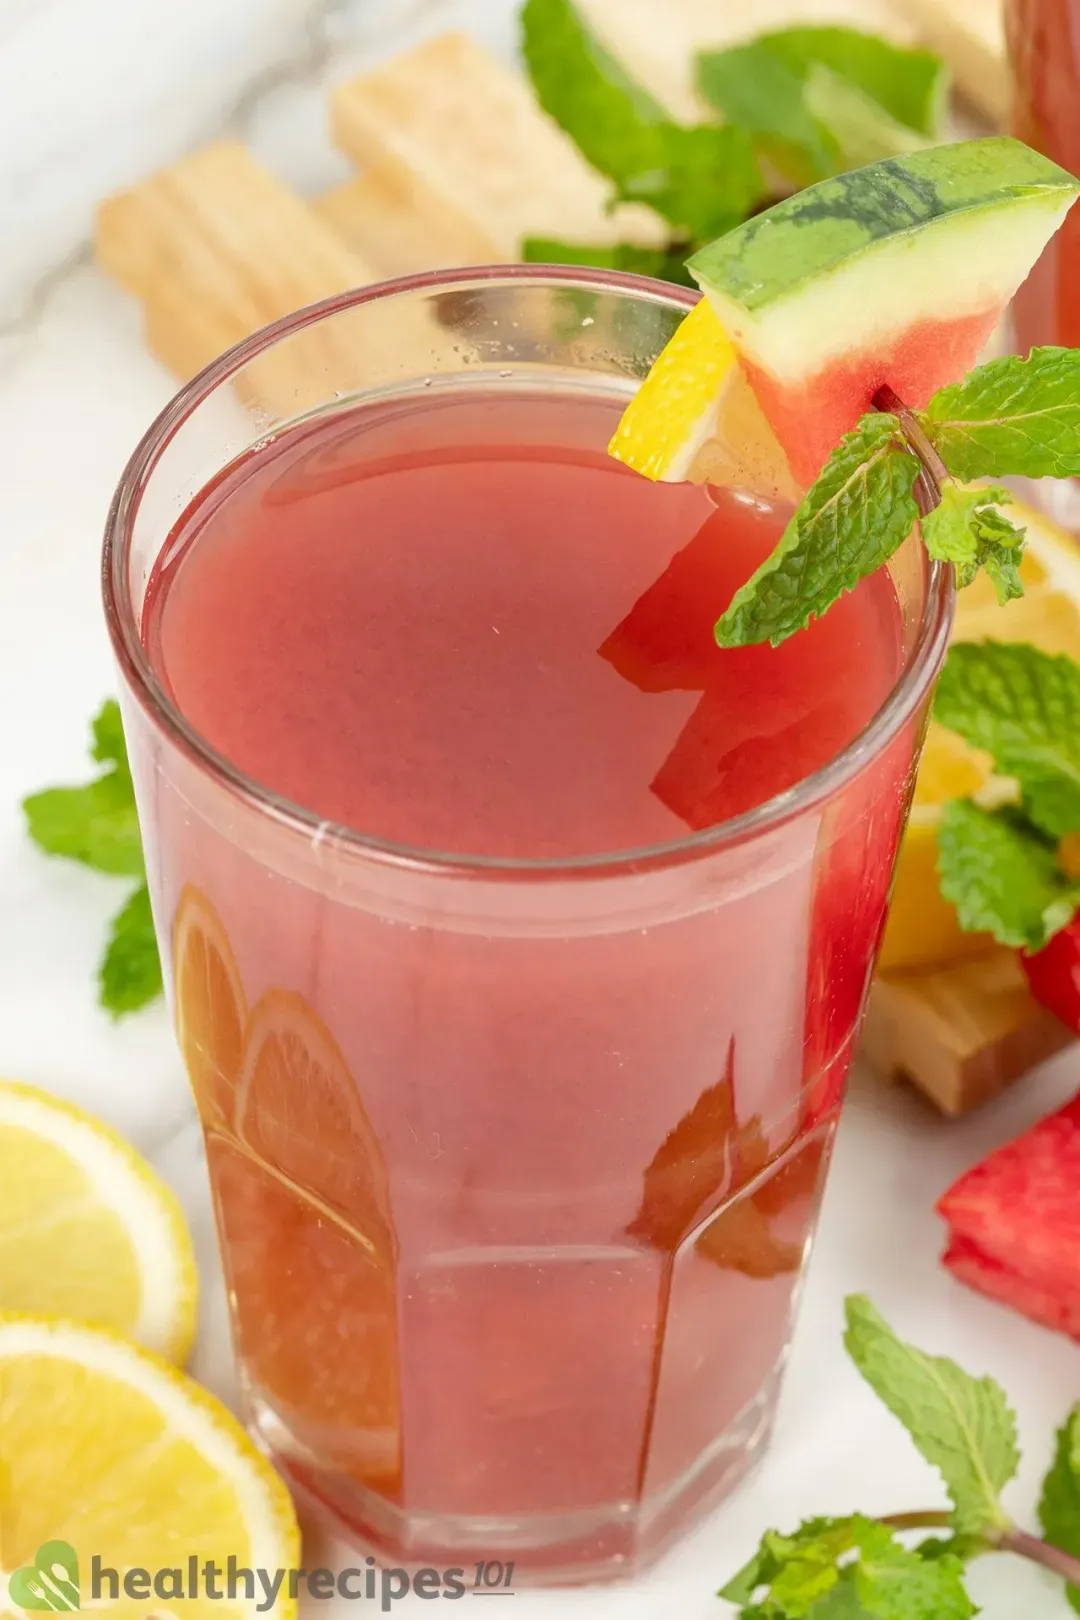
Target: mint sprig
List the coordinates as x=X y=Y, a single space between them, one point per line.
x=803 y=1575
x=1011 y=416
x=855 y=1567
x=968 y=530
x=863 y=131
x=1003 y=876
x=1023 y=707
x=753 y=85
x=97 y=825
x=852 y=520
x=130 y=972
x=911 y=86
x=1001 y=866
x=1059 y=1506
x=819 y=100
x=798 y=105
x=962 y=1425
x=701 y=179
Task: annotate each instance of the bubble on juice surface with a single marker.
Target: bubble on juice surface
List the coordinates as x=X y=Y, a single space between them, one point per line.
x=719 y=496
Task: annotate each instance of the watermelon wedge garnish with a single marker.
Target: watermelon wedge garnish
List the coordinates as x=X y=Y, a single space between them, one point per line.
x=1014 y=1223
x=893 y=274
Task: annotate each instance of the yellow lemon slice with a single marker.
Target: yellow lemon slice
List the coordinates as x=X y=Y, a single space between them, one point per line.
x=210 y=1006
x=116 y=1465
x=923 y=930
x=696 y=419
x=87 y=1230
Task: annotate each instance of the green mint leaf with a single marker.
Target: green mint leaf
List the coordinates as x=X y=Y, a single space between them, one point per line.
x=108 y=732
x=1003 y=876
x=807 y=1569
x=754 y=86
x=968 y=530
x=961 y=1548
x=961 y=1425
x=1059 y=1507
x=95 y=824
x=859 y=512
x=1011 y=416
x=911 y=86
x=702 y=180
x=663 y=264
x=1023 y=707
x=842 y=1603
x=862 y=130
x=1000 y=551
x=819 y=100
x=798 y=1570
x=812 y=1574
x=949 y=530
x=895 y=1583
x=130 y=974
x=741 y=1587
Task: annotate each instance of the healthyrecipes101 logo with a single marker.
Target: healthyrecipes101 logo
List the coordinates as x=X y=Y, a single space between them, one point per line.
x=52 y=1582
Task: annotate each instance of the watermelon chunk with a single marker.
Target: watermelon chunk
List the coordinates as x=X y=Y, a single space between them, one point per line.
x=896 y=273
x=1014 y=1223
x=1054 y=1308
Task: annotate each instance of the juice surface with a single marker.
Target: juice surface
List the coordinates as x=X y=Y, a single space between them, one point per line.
x=513 y=1212
x=457 y=625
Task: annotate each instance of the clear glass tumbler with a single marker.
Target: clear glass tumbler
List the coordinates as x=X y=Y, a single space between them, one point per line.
x=1044 y=56
x=514 y=1251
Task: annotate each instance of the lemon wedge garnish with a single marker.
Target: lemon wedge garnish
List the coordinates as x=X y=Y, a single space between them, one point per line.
x=695 y=417
x=87 y=1230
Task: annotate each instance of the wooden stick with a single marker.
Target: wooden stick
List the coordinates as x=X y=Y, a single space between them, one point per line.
x=216 y=247
x=961 y=1033
x=375 y=217
x=970 y=35
x=460 y=141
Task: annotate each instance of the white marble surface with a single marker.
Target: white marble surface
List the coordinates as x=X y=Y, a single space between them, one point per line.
x=96 y=93
x=93 y=92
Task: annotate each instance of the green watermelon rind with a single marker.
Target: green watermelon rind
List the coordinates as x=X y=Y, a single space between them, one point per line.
x=834 y=224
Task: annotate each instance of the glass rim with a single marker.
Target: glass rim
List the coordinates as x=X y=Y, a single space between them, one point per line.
x=124 y=629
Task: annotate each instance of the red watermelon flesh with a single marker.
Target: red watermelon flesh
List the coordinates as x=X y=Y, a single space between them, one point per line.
x=1050 y=1307
x=895 y=273
x=1014 y=1222
x=811 y=416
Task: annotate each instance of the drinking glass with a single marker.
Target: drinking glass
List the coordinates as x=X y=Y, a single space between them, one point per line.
x=513 y=1261
x=1044 y=55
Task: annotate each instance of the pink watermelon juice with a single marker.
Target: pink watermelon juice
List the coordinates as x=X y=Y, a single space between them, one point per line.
x=515 y=1166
